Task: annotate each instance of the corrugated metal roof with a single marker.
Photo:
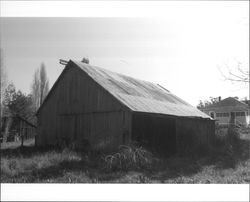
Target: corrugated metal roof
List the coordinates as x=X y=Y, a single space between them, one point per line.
x=140 y=96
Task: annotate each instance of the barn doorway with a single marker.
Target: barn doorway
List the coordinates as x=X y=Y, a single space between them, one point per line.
x=155 y=132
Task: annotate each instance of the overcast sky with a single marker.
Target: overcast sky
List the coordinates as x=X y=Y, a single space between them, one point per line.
x=182 y=52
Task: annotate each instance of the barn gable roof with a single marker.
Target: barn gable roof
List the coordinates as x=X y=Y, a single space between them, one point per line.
x=228 y=104
x=140 y=96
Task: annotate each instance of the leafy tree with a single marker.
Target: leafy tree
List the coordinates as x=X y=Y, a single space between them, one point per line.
x=17 y=104
x=40 y=86
x=3 y=80
x=205 y=103
x=20 y=105
x=9 y=94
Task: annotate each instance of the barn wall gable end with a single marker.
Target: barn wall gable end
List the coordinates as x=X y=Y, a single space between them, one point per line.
x=79 y=108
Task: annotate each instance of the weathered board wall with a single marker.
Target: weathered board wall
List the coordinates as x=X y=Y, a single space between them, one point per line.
x=154 y=131
x=191 y=133
x=80 y=109
x=171 y=134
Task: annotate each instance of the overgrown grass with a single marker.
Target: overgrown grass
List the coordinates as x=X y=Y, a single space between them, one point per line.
x=28 y=165
x=129 y=157
x=226 y=162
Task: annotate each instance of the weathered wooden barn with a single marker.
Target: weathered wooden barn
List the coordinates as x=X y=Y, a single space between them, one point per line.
x=106 y=109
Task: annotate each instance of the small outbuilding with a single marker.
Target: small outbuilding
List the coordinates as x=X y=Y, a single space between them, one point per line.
x=17 y=127
x=104 y=109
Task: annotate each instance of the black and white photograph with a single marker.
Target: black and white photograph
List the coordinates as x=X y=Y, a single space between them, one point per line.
x=125 y=92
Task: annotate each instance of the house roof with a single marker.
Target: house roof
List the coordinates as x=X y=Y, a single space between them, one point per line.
x=228 y=104
x=140 y=96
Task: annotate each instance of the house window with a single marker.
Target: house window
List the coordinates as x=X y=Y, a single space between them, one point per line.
x=240 y=113
x=218 y=115
x=222 y=115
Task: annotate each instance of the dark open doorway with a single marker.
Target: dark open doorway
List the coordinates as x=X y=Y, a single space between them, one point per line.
x=155 y=132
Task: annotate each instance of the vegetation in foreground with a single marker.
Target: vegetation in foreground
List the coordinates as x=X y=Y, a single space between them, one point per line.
x=227 y=162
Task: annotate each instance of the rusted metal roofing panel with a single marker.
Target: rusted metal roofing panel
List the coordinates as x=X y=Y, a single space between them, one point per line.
x=140 y=96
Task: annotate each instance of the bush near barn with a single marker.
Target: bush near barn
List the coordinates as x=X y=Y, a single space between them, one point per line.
x=227 y=161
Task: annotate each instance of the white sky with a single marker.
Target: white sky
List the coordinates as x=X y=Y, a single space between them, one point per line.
x=179 y=45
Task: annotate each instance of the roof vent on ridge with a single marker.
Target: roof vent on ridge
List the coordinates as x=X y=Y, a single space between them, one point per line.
x=85 y=60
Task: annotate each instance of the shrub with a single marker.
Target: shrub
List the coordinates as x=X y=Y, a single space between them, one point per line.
x=220 y=134
x=130 y=157
x=9 y=167
x=227 y=136
x=227 y=145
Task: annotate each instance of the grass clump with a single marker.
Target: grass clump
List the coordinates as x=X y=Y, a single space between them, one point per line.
x=131 y=157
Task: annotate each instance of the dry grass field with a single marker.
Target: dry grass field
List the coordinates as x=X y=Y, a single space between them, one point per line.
x=226 y=163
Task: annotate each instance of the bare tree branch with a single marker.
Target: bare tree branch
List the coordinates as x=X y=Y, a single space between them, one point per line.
x=238 y=75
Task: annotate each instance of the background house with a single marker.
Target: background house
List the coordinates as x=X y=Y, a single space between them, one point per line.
x=229 y=110
x=104 y=109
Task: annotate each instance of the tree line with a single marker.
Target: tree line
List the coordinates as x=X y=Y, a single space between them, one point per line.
x=15 y=103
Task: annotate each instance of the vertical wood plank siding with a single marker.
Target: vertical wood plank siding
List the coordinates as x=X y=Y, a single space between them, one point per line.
x=155 y=132
x=193 y=133
x=79 y=109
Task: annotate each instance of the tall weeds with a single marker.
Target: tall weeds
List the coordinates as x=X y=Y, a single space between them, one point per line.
x=130 y=157
x=229 y=146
